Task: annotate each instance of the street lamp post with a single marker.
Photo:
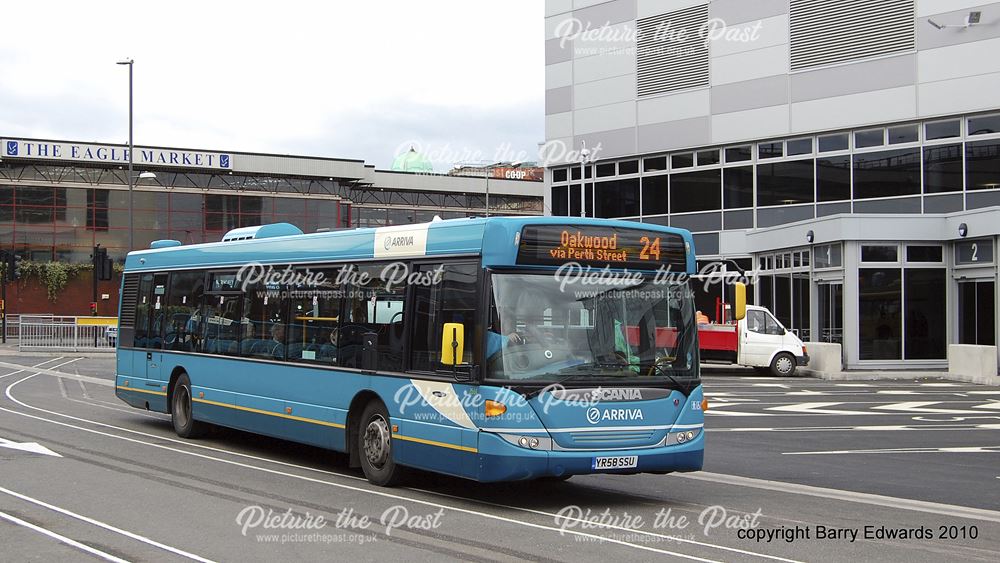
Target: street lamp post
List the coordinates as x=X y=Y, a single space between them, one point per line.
x=584 y=153
x=131 y=231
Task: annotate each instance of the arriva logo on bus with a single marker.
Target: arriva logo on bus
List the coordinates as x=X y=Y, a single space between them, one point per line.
x=595 y=415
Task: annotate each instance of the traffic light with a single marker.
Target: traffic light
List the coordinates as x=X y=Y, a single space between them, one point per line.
x=10 y=265
x=103 y=268
x=93 y=308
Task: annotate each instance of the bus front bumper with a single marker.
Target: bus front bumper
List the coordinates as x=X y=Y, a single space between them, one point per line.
x=500 y=460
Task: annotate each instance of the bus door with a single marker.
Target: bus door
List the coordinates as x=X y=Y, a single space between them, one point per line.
x=150 y=317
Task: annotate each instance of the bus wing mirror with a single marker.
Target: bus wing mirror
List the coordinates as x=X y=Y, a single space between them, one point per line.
x=740 y=301
x=452 y=344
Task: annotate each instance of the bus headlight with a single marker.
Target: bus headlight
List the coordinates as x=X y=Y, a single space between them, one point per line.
x=542 y=443
x=681 y=438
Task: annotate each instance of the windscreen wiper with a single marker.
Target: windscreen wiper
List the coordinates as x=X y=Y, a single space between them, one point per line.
x=663 y=371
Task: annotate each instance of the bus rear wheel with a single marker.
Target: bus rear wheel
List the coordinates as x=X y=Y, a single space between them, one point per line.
x=181 y=411
x=375 y=447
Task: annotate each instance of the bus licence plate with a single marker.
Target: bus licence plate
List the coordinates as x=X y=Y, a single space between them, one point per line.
x=616 y=462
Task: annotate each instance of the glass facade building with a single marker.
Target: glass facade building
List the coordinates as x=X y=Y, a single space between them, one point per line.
x=858 y=182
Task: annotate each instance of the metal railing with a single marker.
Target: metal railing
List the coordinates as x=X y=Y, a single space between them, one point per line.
x=74 y=334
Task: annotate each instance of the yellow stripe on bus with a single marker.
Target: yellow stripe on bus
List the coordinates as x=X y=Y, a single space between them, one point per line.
x=433 y=443
x=269 y=413
x=160 y=393
x=309 y=420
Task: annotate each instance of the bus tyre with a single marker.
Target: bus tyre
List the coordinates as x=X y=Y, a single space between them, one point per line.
x=181 y=412
x=375 y=446
x=783 y=365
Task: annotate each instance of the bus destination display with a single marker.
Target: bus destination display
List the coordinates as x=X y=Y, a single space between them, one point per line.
x=600 y=246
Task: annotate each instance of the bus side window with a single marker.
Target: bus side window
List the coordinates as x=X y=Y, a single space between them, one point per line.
x=313 y=326
x=183 y=300
x=453 y=299
x=263 y=324
x=371 y=332
x=143 y=305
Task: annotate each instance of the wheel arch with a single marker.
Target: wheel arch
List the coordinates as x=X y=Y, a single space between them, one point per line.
x=174 y=375
x=353 y=426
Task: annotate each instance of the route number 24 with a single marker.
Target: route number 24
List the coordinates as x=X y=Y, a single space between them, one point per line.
x=649 y=248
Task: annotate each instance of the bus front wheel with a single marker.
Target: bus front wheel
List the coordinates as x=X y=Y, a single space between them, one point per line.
x=181 y=412
x=375 y=446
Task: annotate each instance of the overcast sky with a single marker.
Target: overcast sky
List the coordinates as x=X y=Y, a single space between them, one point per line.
x=460 y=79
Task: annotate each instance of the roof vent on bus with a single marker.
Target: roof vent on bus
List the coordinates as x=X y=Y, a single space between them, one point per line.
x=262 y=231
x=164 y=243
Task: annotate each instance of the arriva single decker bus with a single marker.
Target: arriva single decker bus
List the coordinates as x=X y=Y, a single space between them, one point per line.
x=493 y=349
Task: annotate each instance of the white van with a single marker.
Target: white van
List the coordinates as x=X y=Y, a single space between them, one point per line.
x=758 y=340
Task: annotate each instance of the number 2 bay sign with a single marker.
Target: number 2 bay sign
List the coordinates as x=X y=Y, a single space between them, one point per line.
x=117 y=154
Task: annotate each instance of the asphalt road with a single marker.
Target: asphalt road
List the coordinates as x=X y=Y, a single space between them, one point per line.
x=794 y=468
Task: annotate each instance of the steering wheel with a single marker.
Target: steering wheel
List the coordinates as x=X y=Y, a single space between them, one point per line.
x=661 y=359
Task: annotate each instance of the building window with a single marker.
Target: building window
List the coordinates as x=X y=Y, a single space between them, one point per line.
x=683 y=160
x=695 y=191
x=984 y=125
x=922 y=253
x=654 y=164
x=977 y=313
x=606 y=169
x=982 y=165
x=879 y=253
x=925 y=313
x=904 y=134
x=799 y=146
x=827 y=256
x=737 y=187
x=833 y=178
x=869 y=138
x=559 y=175
x=560 y=201
x=836 y=142
x=706 y=158
x=770 y=150
x=785 y=183
x=617 y=198
x=879 y=314
x=942 y=168
x=942 y=129
x=738 y=154
x=654 y=195
x=628 y=167
x=887 y=173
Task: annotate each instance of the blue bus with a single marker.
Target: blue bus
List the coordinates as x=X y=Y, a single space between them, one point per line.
x=494 y=349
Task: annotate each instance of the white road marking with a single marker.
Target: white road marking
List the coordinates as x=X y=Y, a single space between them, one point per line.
x=991 y=406
x=323 y=482
x=108 y=527
x=922 y=407
x=847 y=496
x=33 y=447
x=783 y=386
x=960 y=450
x=22 y=369
x=983 y=392
x=899 y=392
x=817 y=408
x=938 y=385
x=805 y=392
x=853 y=385
x=63 y=539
